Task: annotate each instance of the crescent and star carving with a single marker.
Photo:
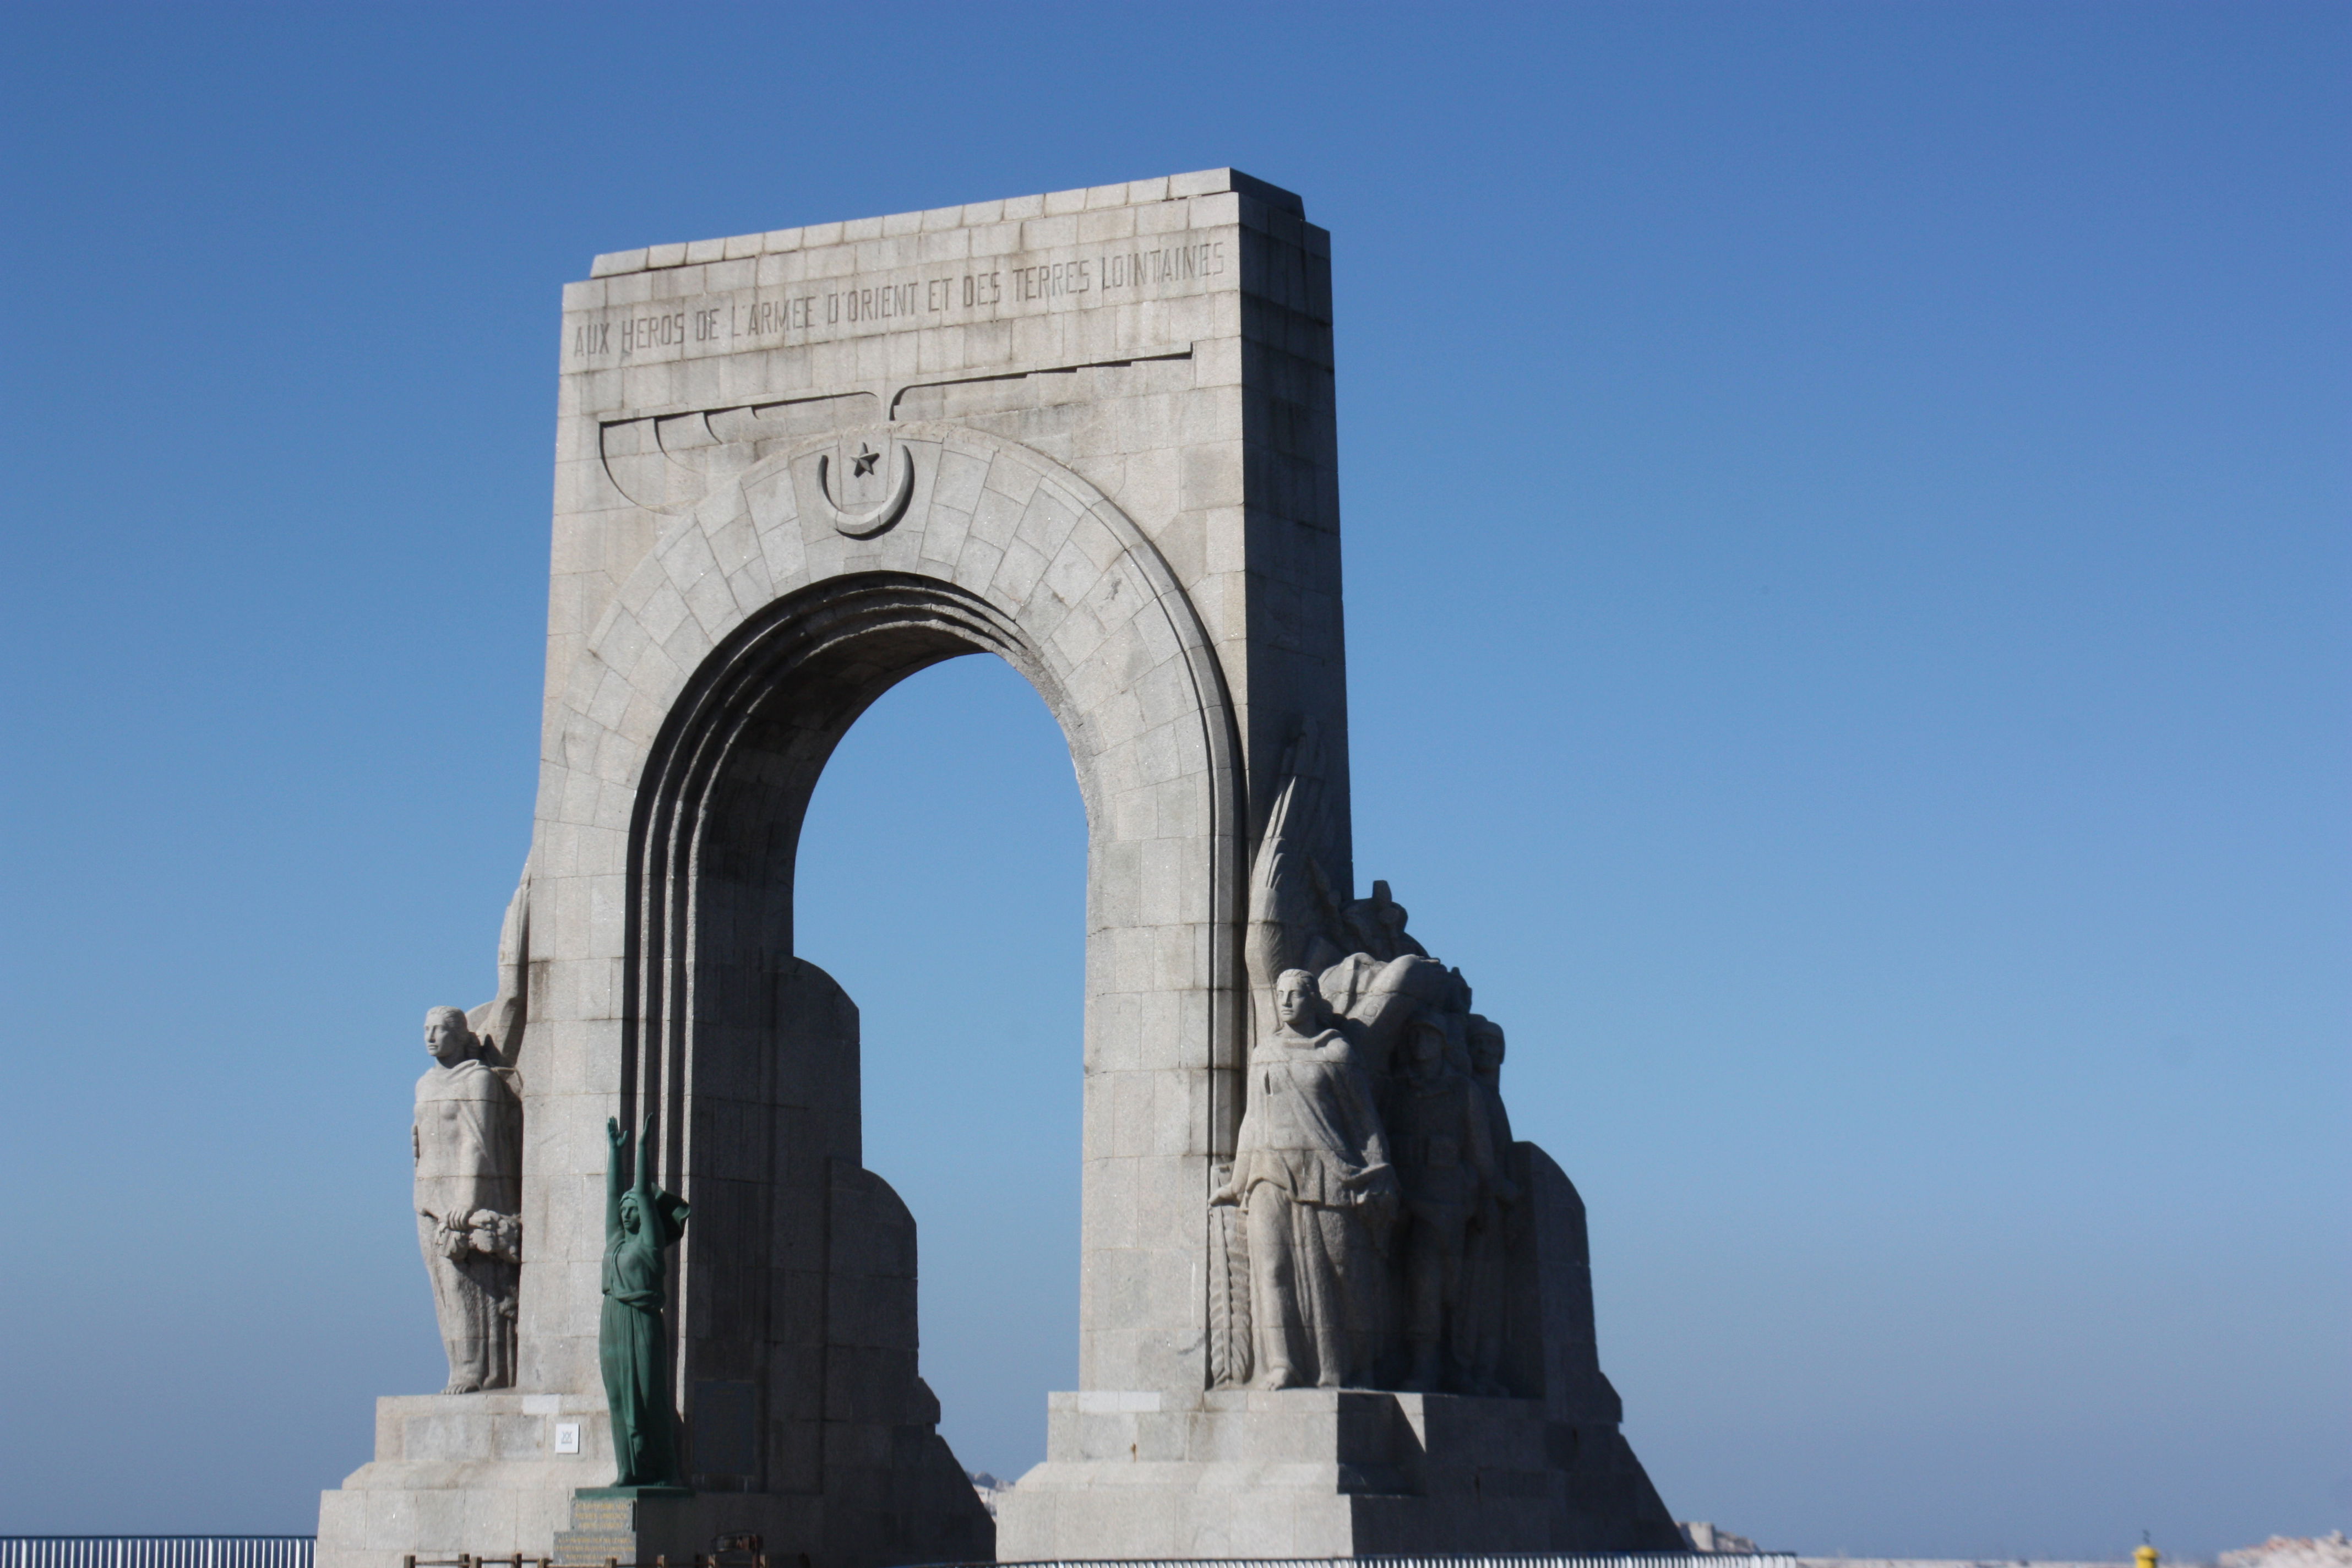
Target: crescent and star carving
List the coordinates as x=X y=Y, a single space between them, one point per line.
x=867 y=523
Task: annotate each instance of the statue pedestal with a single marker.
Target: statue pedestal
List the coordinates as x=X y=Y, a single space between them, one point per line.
x=1325 y=1473
x=476 y=1473
x=479 y=1474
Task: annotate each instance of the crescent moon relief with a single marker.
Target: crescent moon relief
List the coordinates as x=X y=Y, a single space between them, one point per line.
x=866 y=524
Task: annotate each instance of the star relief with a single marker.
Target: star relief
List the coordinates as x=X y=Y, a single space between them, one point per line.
x=863 y=464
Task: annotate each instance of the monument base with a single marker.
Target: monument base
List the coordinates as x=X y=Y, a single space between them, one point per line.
x=482 y=1475
x=1326 y=1473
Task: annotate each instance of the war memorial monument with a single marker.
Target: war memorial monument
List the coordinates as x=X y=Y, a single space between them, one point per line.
x=1327 y=1307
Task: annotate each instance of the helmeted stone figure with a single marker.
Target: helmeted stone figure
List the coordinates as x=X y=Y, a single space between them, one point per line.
x=1311 y=1173
x=467 y=1144
x=1376 y=926
x=641 y=1223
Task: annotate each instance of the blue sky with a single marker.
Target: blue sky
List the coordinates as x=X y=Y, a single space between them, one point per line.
x=1846 y=564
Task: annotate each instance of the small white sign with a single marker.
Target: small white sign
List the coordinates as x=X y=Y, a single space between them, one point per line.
x=567 y=1437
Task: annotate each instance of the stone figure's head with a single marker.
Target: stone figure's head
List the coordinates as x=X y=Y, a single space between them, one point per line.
x=1485 y=1045
x=633 y=1213
x=447 y=1036
x=1299 y=1003
x=1425 y=1044
x=1387 y=911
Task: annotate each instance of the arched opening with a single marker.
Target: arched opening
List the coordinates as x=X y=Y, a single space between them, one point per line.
x=941 y=880
x=797 y=1283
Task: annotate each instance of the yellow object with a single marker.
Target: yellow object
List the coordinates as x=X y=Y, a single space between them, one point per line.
x=2146 y=1556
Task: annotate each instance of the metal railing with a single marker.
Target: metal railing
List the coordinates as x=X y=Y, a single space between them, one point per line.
x=157 y=1551
x=728 y=1559
x=1469 y=1560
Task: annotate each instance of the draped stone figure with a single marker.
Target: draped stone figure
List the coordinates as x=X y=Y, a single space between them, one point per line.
x=466 y=1140
x=641 y=1223
x=1312 y=1173
x=1479 y=1329
x=1441 y=1134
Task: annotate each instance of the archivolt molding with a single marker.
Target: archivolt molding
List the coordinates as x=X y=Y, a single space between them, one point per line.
x=995 y=547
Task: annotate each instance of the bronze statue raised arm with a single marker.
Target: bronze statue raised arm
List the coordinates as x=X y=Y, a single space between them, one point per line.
x=641 y=1223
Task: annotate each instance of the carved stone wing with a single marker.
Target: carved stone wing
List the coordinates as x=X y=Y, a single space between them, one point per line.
x=1293 y=919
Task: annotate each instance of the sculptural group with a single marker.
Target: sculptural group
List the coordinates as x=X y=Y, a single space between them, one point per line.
x=1363 y=1224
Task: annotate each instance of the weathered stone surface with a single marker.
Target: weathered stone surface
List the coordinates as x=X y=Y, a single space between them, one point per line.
x=1323 y=1473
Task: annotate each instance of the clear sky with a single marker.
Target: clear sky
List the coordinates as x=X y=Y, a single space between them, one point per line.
x=1847 y=574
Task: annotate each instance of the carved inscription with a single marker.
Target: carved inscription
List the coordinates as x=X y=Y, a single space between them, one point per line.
x=1136 y=267
x=756 y=318
x=639 y=334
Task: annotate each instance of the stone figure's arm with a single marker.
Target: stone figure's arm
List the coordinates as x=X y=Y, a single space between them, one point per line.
x=1371 y=1136
x=501 y=1020
x=1498 y=1126
x=1376 y=1187
x=1397 y=991
x=1498 y=1119
x=1484 y=1157
x=510 y=1116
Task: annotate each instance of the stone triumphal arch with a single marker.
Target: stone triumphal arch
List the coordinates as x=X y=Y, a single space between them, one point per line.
x=1327 y=1307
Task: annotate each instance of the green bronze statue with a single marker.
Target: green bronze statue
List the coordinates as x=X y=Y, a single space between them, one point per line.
x=641 y=1222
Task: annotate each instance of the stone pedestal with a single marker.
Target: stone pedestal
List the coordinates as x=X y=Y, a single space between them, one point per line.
x=475 y=1473
x=1325 y=1473
x=479 y=1474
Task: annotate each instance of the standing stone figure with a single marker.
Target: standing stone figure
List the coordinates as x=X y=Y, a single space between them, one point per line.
x=1311 y=1174
x=1440 y=1135
x=641 y=1223
x=467 y=1143
x=1478 y=1339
